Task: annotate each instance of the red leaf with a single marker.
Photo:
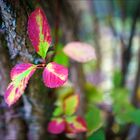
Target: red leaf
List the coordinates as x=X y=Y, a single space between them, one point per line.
x=20 y=76
x=39 y=32
x=75 y=124
x=80 y=52
x=56 y=126
x=54 y=75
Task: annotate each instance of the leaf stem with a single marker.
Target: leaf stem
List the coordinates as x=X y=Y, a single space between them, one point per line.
x=41 y=65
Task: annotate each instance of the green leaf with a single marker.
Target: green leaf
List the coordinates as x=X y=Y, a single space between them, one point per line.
x=60 y=57
x=135 y=116
x=128 y=115
x=58 y=111
x=62 y=93
x=122 y=108
x=98 y=135
x=93 y=94
x=93 y=119
x=71 y=104
x=122 y=112
x=117 y=79
x=120 y=93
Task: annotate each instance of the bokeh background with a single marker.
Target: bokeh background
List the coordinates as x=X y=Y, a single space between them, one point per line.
x=109 y=86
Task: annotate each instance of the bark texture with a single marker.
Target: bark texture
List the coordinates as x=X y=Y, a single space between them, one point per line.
x=27 y=119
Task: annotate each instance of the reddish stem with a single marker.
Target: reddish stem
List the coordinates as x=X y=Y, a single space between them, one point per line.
x=41 y=65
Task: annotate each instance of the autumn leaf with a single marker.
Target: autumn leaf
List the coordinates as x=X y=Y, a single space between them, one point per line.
x=39 y=32
x=70 y=104
x=56 y=126
x=75 y=124
x=54 y=75
x=80 y=52
x=71 y=124
x=20 y=76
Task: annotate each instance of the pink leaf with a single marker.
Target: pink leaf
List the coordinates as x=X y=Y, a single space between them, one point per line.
x=56 y=126
x=21 y=68
x=13 y=93
x=80 y=52
x=20 y=76
x=54 y=75
x=39 y=32
x=75 y=124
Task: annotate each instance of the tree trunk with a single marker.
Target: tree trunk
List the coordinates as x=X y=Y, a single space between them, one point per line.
x=28 y=118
